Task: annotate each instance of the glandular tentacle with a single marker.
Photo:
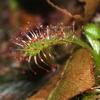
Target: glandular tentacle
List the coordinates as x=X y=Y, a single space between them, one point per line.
x=38 y=43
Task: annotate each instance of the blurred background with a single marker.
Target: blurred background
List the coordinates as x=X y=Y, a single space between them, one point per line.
x=20 y=14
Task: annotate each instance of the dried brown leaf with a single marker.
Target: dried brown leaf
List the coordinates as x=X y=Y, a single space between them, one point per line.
x=77 y=78
x=90 y=8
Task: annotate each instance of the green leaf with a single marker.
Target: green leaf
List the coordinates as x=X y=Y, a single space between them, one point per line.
x=92 y=30
x=89 y=96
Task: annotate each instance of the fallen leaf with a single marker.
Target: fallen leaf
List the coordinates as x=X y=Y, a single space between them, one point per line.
x=90 y=8
x=77 y=78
